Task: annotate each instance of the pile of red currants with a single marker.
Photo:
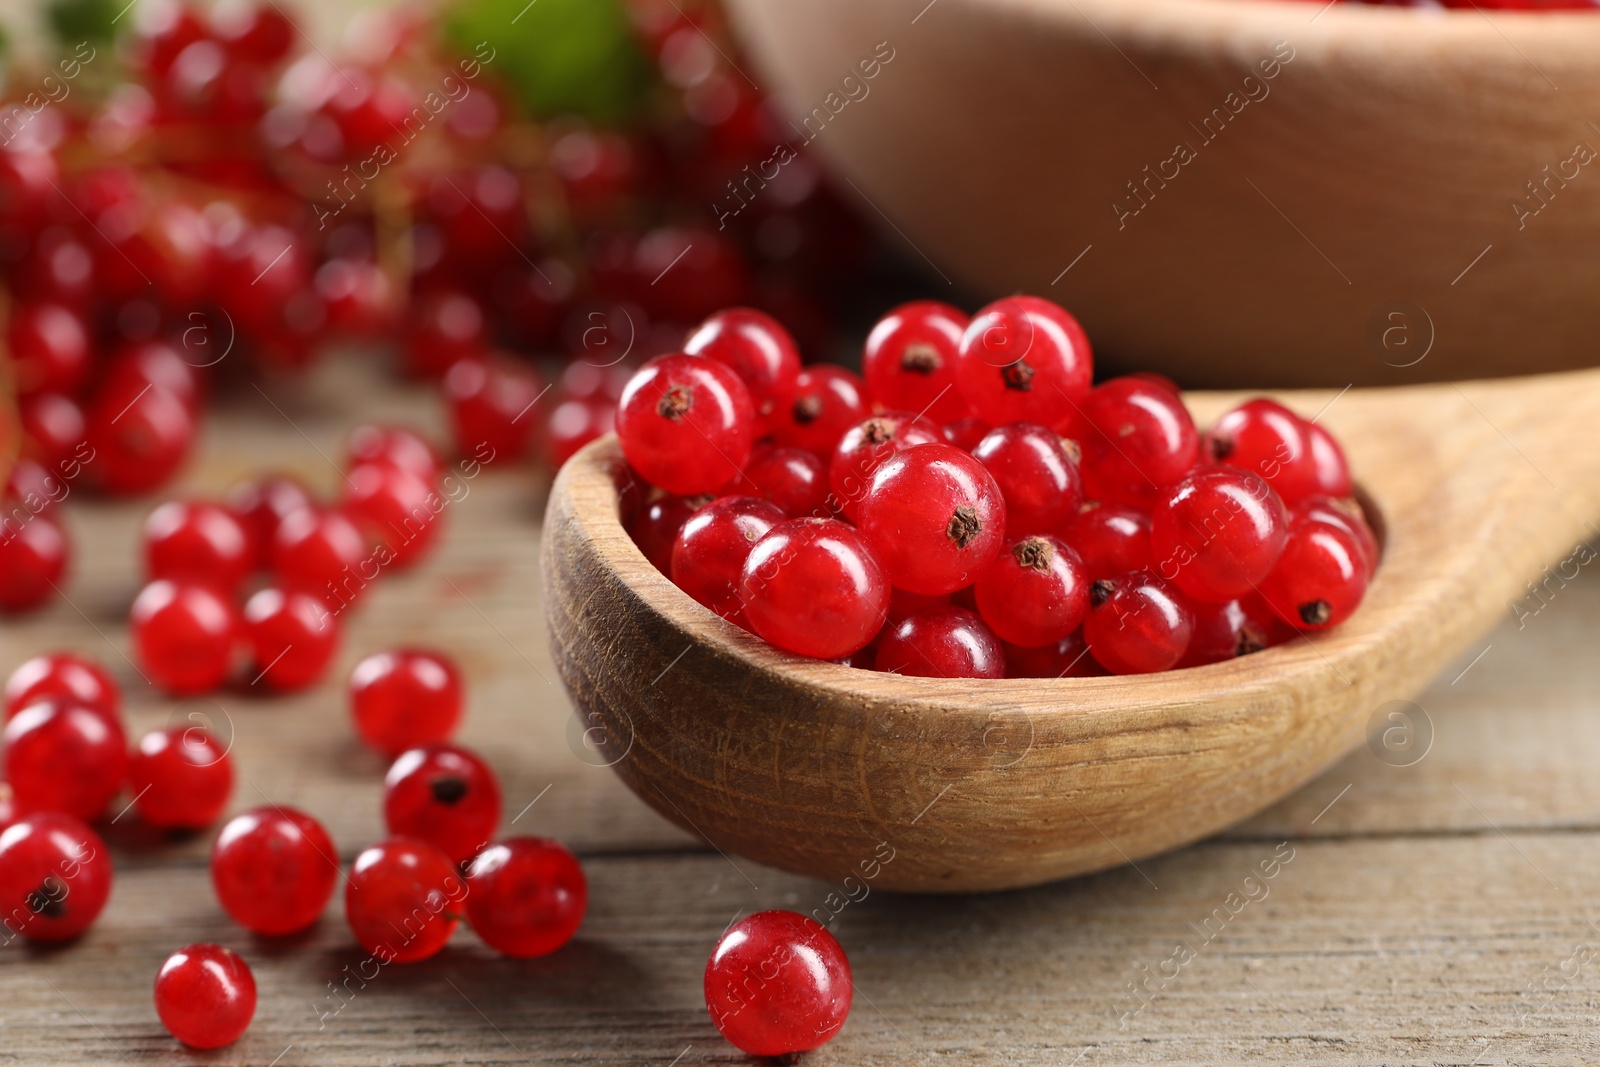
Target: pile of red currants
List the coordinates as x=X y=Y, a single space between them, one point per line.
x=973 y=507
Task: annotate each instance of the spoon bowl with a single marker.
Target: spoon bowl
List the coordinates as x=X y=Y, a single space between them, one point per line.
x=938 y=785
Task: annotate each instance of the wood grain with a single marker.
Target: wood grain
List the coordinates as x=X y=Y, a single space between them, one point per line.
x=808 y=766
x=1373 y=169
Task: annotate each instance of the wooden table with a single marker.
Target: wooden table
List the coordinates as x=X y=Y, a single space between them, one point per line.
x=1431 y=913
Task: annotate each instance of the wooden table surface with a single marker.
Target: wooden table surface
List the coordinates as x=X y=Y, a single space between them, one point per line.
x=1436 y=913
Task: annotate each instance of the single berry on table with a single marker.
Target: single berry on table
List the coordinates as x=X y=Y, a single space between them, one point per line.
x=397 y=509
x=814 y=586
x=943 y=641
x=323 y=553
x=445 y=795
x=205 y=996
x=185 y=635
x=710 y=549
x=405 y=697
x=34 y=554
x=934 y=517
x=778 y=983
x=1217 y=533
x=55 y=876
x=526 y=896
x=1024 y=359
x=1137 y=440
x=909 y=362
x=62 y=757
x=65 y=676
x=292 y=638
x=403 y=899
x=686 y=424
x=180 y=777
x=1137 y=624
x=1037 y=475
x=197 y=541
x=1035 y=593
x=274 y=870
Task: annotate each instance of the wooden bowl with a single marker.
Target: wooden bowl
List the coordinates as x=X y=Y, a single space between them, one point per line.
x=1370 y=207
x=973 y=785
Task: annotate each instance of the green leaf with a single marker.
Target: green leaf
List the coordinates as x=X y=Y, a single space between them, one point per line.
x=75 y=21
x=560 y=56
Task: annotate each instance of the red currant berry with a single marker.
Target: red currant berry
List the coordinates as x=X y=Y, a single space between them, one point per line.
x=55 y=876
x=53 y=428
x=161 y=31
x=909 y=363
x=292 y=637
x=140 y=437
x=396 y=446
x=827 y=401
x=49 y=347
x=574 y=423
x=709 y=551
x=63 y=676
x=526 y=896
x=206 y=996
x=778 y=983
x=33 y=560
x=1035 y=593
x=445 y=328
x=813 y=586
x=1266 y=438
x=1110 y=539
x=197 y=541
x=686 y=424
x=860 y=451
x=965 y=434
x=1037 y=475
x=403 y=899
x=792 y=478
x=941 y=642
x=444 y=795
x=1137 y=439
x=1319 y=579
x=1067 y=658
x=1023 y=359
x=157 y=365
x=1346 y=514
x=655 y=530
x=181 y=778
x=322 y=553
x=397 y=509
x=934 y=517
x=1333 y=470
x=405 y=698
x=274 y=870
x=8 y=806
x=185 y=635
x=262 y=505
x=1218 y=533
x=1137 y=624
x=491 y=405
x=1223 y=632
x=62 y=757
x=251 y=30
x=757 y=348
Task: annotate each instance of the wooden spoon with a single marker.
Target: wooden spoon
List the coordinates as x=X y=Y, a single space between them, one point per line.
x=976 y=785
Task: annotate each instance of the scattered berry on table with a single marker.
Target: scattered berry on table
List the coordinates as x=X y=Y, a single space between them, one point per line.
x=274 y=870
x=180 y=778
x=403 y=899
x=526 y=896
x=445 y=795
x=405 y=697
x=778 y=983
x=55 y=876
x=67 y=676
x=62 y=757
x=205 y=996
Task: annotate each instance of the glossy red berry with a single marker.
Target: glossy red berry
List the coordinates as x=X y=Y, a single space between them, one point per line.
x=1067 y=658
x=397 y=509
x=1218 y=533
x=323 y=553
x=492 y=408
x=251 y=30
x=141 y=436
x=778 y=983
x=64 y=676
x=403 y=899
x=813 y=586
x=1319 y=579
x=1267 y=439
x=205 y=996
x=1037 y=475
x=944 y=641
x=1110 y=539
x=292 y=638
x=1137 y=440
x=965 y=433
x=274 y=870
x=827 y=401
x=445 y=328
x=526 y=896
x=792 y=478
x=757 y=348
x=1035 y=593
x=33 y=561
x=444 y=795
x=686 y=424
x=404 y=698
x=574 y=423
x=1024 y=359
x=934 y=517
x=655 y=529
x=184 y=635
x=1137 y=624
x=49 y=346
x=197 y=541
x=62 y=757
x=262 y=505
x=180 y=778
x=55 y=876
x=396 y=446
x=862 y=449
x=1223 y=632
x=709 y=552
x=54 y=429
x=1346 y=514
x=1332 y=469
x=909 y=363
